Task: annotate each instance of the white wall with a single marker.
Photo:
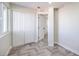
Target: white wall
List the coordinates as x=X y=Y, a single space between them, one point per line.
x=5 y=45
x=5 y=39
x=69 y=27
x=51 y=26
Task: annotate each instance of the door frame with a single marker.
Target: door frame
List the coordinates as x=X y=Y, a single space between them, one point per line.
x=37 y=24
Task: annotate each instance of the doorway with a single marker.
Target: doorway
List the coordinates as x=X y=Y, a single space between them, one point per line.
x=43 y=29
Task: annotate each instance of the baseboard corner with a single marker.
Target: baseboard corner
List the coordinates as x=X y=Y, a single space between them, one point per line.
x=7 y=52
x=74 y=51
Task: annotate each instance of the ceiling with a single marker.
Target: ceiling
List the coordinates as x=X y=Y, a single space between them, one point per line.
x=33 y=4
x=42 y=5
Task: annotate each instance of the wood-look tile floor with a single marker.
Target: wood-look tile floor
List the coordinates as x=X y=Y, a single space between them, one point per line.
x=40 y=49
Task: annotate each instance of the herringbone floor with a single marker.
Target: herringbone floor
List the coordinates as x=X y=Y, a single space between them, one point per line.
x=40 y=49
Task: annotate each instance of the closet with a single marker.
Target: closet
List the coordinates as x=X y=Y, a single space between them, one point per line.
x=23 y=28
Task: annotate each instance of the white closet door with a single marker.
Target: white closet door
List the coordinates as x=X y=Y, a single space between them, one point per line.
x=29 y=27
x=18 y=29
x=24 y=28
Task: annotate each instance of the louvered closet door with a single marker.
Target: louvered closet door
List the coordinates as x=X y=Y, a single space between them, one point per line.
x=18 y=28
x=24 y=26
x=29 y=27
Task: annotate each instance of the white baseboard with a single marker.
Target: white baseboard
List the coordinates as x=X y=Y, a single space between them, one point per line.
x=7 y=52
x=74 y=51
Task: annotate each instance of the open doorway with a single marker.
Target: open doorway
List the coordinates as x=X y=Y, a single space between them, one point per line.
x=43 y=29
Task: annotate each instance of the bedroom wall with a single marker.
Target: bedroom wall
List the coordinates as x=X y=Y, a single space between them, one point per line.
x=51 y=26
x=69 y=27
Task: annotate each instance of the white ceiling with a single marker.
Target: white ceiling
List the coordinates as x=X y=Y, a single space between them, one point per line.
x=33 y=5
x=43 y=5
